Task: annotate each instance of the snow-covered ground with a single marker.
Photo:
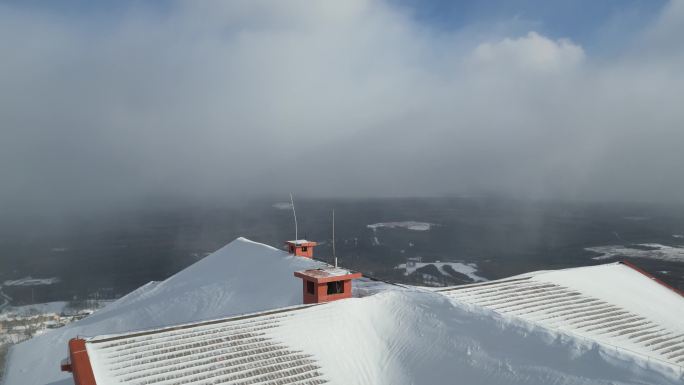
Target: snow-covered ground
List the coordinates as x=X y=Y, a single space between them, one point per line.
x=409 y=225
x=28 y=310
x=644 y=250
x=390 y=335
x=468 y=269
x=29 y=281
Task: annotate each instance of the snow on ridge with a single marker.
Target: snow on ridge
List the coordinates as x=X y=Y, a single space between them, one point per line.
x=241 y=277
x=282 y=206
x=642 y=250
x=467 y=269
x=29 y=281
x=409 y=225
x=55 y=307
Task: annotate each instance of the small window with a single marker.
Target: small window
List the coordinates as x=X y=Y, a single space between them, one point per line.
x=336 y=287
x=304 y=248
x=310 y=287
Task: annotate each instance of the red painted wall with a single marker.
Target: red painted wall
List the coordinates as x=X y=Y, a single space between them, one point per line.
x=297 y=250
x=321 y=292
x=80 y=363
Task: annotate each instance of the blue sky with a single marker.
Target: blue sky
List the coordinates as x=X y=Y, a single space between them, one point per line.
x=593 y=24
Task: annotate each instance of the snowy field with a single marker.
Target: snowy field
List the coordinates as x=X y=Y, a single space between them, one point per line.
x=28 y=310
x=409 y=225
x=29 y=281
x=282 y=206
x=468 y=269
x=643 y=250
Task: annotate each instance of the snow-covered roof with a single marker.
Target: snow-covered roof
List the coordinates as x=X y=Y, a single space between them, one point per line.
x=300 y=242
x=222 y=284
x=612 y=304
x=328 y=274
x=394 y=337
x=502 y=332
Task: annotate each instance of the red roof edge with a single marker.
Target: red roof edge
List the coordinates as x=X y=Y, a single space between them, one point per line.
x=80 y=363
x=651 y=276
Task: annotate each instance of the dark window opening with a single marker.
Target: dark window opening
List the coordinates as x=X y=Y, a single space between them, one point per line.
x=336 y=287
x=304 y=248
x=310 y=287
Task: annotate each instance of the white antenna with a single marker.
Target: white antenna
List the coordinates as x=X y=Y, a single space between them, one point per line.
x=294 y=213
x=333 y=240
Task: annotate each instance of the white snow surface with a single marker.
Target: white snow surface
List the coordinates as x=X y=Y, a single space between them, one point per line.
x=27 y=310
x=619 y=285
x=241 y=277
x=394 y=337
x=28 y=281
x=409 y=225
x=613 y=305
x=405 y=336
x=655 y=251
x=282 y=206
x=467 y=269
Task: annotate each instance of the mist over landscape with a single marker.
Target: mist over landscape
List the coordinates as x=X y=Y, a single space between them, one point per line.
x=213 y=101
x=131 y=115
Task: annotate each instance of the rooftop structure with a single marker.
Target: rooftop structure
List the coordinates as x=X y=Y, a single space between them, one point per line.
x=301 y=247
x=326 y=284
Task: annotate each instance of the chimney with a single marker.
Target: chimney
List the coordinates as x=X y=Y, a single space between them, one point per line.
x=301 y=248
x=327 y=284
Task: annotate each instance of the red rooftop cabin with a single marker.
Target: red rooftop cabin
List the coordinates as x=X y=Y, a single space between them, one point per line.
x=325 y=285
x=301 y=247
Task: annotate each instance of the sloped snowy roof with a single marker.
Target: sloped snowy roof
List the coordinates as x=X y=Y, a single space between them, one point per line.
x=220 y=285
x=301 y=242
x=395 y=337
x=613 y=304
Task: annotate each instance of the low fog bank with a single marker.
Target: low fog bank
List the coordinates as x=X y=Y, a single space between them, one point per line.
x=220 y=102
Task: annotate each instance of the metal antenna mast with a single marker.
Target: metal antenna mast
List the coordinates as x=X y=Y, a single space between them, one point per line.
x=294 y=214
x=333 y=240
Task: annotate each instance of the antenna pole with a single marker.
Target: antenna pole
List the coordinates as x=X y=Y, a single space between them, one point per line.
x=294 y=214
x=333 y=240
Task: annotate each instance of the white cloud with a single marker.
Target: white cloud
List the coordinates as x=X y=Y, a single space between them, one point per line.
x=532 y=52
x=229 y=98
